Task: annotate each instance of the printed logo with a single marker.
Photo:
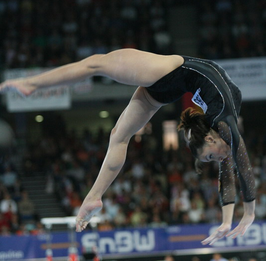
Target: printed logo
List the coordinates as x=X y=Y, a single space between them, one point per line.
x=199 y=101
x=121 y=242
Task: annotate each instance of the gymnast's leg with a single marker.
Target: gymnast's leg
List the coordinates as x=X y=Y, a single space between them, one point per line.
x=127 y=66
x=138 y=112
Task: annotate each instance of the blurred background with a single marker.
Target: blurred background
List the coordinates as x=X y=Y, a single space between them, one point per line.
x=57 y=153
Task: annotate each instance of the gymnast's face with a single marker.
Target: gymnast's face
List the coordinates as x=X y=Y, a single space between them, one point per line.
x=214 y=149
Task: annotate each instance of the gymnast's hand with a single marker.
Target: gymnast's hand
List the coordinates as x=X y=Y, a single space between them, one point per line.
x=87 y=210
x=21 y=85
x=224 y=229
x=219 y=233
x=242 y=227
x=246 y=221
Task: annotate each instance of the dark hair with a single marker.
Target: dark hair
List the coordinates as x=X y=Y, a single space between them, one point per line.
x=195 y=121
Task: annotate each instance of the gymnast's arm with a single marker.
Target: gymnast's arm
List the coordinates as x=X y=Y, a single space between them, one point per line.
x=244 y=171
x=229 y=133
x=227 y=194
x=227 y=188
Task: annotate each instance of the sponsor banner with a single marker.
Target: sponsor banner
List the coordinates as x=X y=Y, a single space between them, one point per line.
x=249 y=74
x=15 y=248
x=83 y=87
x=128 y=242
x=44 y=99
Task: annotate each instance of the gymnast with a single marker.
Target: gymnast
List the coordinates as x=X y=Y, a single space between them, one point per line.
x=162 y=79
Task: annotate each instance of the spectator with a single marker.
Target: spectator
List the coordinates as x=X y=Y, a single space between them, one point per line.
x=23 y=230
x=180 y=198
x=138 y=217
x=260 y=210
x=3 y=190
x=157 y=221
x=195 y=213
x=195 y=258
x=17 y=190
x=103 y=215
x=8 y=204
x=218 y=257
x=120 y=220
x=162 y=41
x=75 y=202
x=190 y=174
x=38 y=229
x=4 y=223
x=76 y=173
x=158 y=199
x=26 y=208
x=9 y=178
x=5 y=231
x=112 y=208
x=169 y=258
x=15 y=223
x=122 y=185
x=137 y=169
x=105 y=226
x=198 y=200
x=212 y=213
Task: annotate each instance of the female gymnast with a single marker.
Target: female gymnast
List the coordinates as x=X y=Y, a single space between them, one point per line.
x=162 y=79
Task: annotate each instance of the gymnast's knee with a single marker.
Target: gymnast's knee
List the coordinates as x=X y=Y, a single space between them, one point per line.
x=94 y=62
x=118 y=137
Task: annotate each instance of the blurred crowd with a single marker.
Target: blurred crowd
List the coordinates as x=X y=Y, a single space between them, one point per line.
x=17 y=211
x=232 y=28
x=49 y=33
x=153 y=189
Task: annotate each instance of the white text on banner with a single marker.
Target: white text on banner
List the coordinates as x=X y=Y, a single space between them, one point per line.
x=249 y=74
x=53 y=98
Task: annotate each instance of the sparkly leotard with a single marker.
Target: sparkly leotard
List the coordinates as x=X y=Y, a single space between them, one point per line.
x=220 y=99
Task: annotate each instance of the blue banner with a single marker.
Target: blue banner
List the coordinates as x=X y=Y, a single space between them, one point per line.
x=126 y=242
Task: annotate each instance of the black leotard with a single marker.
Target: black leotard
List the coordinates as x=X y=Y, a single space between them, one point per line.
x=220 y=99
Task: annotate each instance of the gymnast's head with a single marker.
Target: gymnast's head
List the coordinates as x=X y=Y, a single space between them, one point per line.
x=204 y=142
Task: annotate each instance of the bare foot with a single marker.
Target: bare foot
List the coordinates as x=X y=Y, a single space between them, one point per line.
x=21 y=85
x=86 y=212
